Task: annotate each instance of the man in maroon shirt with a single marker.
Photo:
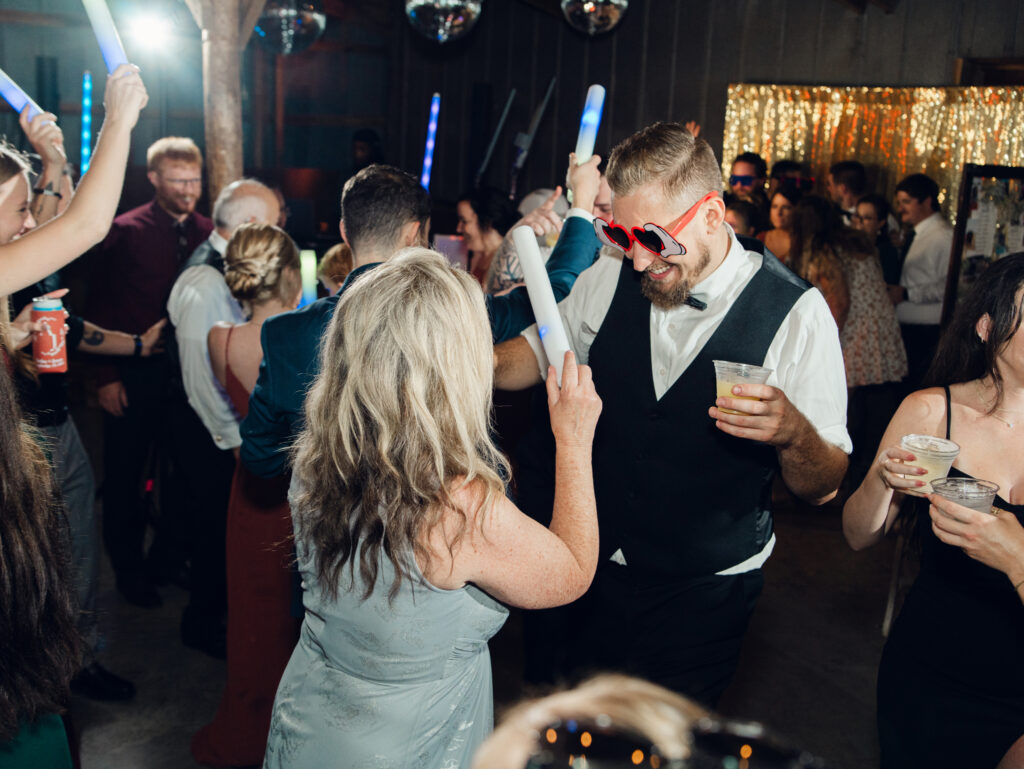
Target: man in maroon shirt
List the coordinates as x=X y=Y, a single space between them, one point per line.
x=136 y=265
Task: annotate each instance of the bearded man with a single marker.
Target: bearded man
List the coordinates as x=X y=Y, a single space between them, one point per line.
x=684 y=486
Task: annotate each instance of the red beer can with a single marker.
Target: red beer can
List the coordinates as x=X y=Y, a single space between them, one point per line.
x=49 y=348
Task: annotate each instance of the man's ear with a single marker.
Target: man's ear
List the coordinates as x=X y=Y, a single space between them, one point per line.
x=714 y=215
x=983 y=327
x=152 y=176
x=411 y=235
x=341 y=231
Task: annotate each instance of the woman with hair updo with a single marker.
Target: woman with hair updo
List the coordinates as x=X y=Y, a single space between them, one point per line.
x=262 y=271
x=485 y=215
x=407 y=544
x=951 y=679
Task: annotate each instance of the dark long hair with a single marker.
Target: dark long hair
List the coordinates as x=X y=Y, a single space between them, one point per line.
x=41 y=648
x=493 y=209
x=818 y=230
x=962 y=356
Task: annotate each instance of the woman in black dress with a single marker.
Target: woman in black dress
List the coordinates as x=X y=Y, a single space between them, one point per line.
x=951 y=681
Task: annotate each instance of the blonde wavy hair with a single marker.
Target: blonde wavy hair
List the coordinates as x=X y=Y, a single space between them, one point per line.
x=397 y=420
x=261 y=262
x=661 y=716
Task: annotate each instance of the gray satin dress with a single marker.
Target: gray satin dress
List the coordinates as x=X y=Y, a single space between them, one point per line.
x=379 y=685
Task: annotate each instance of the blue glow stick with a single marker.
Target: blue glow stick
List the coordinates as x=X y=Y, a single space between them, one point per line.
x=307 y=270
x=589 y=124
x=428 y=154
x=106 y=33
x=16 y=97
x=86 y=155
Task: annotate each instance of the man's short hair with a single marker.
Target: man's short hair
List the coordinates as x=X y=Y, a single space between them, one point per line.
x=746 y=211
x=239 y=203
x=178 y=149
x=758 y=162
x=669 y=155
x=377 y=202
x=851 y=174
x=782 y=169
x=919 y=187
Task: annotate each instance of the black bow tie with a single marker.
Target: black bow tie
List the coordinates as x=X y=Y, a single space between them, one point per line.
x=695 y=303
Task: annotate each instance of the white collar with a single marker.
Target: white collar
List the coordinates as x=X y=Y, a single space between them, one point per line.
x=719 y=281
x=928 y=223
x=217 y=242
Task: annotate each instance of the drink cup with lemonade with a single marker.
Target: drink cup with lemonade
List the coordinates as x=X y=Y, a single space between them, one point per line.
x=934 y=455
x=729 y=374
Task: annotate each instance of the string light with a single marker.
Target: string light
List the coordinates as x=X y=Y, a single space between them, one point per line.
x=898 y=131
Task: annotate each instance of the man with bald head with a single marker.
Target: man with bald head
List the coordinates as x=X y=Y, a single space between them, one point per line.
x=203 y=429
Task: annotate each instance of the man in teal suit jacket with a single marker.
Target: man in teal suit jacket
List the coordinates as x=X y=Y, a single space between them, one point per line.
x=383 y=210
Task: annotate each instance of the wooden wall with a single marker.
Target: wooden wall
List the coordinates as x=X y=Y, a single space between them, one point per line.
x=667 y=60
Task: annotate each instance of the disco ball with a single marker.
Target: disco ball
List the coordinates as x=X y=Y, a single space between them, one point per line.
x=443 y=20
x=290 y=26
x=594 y=17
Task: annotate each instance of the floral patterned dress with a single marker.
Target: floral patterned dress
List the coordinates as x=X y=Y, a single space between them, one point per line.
x=872 y=346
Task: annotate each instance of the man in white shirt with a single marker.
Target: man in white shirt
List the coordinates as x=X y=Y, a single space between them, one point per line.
x=203 y=427
x=683 y=487
x=922 y=288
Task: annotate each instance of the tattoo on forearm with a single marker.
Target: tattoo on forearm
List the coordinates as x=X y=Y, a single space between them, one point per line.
x=94 y=338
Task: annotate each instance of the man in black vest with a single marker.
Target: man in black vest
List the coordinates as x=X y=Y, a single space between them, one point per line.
x=683 y=487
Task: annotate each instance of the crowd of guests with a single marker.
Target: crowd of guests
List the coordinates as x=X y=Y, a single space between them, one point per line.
x=332 y=494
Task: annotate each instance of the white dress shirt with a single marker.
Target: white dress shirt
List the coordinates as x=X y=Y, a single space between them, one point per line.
x=805 y=356
x=924 y=272
x=199 y=299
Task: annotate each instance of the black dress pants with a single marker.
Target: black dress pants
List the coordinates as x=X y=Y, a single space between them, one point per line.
x=201 y=482
x=684 y=634
x=130 y=449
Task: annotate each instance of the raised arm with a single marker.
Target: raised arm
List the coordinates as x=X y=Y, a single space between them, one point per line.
x=516 y=559
x=87 y=219
x=871 y=510
x=53 y=184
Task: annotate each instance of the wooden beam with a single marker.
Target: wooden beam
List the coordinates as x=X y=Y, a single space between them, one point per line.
x=43 y=19
x=197 y=7
x=249 y=13
x=222 y=93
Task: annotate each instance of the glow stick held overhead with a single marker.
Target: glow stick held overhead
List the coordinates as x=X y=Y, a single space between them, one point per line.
x=428 y=154
x=16 y=97
x=542 y=298
x=106 y=33
x=589 y=125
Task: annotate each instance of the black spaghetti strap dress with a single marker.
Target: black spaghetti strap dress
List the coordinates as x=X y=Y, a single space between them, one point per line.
x=951 y=680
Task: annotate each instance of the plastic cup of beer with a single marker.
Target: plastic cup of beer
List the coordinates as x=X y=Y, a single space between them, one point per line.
x=729 y=374
x=934 y=454
x=969 y=492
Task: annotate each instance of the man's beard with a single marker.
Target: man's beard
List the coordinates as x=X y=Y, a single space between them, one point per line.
x=676 y=295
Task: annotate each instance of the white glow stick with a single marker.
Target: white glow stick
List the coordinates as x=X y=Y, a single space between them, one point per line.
x=307 y=271
x=16 y=97
x=542 y=298
x=589 y=123
x=106 y=33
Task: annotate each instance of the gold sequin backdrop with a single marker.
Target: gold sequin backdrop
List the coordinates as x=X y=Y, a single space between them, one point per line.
x=892 y=131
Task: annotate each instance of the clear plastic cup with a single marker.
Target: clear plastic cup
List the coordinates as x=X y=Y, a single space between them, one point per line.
x=934 y=454
x=728 y=374
x=969 y=492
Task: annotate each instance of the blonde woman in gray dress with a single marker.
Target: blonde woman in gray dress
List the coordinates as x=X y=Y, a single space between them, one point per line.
x=407 y=544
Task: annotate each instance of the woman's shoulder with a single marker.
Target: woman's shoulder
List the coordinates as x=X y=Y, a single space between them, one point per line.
x=926 y=408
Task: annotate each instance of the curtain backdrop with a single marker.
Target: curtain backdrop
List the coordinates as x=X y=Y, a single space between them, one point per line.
x=892 y=131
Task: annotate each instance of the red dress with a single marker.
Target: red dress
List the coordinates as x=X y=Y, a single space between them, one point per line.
x=261 y=631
